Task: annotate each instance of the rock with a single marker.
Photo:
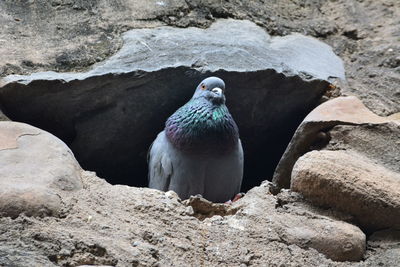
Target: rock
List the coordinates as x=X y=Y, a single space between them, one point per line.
x=307 y=227
x=386 y=239
x=378 y=142
x=312 y=133
x=388 y=257
x=352 y=183
x=387 y=244
x=123 y=226
x=93 y=30
x=36 y=168
x=128 y=97
x=202 y=208
x=3 y=117
x=357 y=170
x=337 y=240
x=12 y=255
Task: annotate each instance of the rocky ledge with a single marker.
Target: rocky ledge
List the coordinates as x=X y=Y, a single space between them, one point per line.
x=272 y=83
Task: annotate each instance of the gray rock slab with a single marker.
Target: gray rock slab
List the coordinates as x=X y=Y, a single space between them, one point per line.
x=228 y=44
x=110 y=114
x=36 y=168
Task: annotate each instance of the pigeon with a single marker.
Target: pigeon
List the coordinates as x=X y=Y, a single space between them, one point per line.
x=199 y=150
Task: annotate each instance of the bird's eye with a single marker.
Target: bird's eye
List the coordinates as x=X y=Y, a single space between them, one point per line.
x=203 y=87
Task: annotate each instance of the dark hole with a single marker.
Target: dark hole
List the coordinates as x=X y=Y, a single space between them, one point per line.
x=110 y=121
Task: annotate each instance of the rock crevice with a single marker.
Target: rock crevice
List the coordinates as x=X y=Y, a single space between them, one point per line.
x=110 y=114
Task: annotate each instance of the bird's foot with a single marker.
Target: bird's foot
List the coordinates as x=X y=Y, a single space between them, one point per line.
x=235 y=198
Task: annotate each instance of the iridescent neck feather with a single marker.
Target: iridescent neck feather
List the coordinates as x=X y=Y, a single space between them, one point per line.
x=202 y=126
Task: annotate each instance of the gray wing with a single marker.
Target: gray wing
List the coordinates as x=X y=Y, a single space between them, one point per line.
x=241 y=165
x=160 y=164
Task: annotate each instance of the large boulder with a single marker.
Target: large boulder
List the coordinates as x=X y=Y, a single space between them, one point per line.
x=314 y=133
x=36 y=169
x=110 y=114
x=351 y=183
x=355 y=165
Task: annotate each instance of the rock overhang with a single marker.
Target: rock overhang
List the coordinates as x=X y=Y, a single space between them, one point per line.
x=107 y=115
x=252 y=48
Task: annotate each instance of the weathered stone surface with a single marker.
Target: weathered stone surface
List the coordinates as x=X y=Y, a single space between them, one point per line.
x=127 y=98
x=387 y=244
x=306 y=227
x=35 y=168
x=385 y=239
x=124 y=226
x=202 y=208
x=378 y=142
x=384 y=257
x=312 y=134
x=245 y=47
x=351 y=183
x=91 y=27
x=34 y=33
x=361 y=176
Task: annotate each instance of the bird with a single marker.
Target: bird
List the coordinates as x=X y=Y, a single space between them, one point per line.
x=199 y=151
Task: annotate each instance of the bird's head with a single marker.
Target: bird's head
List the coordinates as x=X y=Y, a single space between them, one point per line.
x=212 y=89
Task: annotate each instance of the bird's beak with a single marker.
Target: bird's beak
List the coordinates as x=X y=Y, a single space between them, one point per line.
x=217 y=91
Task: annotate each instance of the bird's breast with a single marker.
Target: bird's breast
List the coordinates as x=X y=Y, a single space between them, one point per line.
x=203 y=136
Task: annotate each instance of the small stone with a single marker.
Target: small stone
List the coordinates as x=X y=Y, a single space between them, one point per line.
x=189 y=210
x=136 y=243
x=171 y=194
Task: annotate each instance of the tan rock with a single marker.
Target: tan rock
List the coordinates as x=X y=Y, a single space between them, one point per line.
x=311 y=133
x=339 y=241
x=303 y=225
x=352 y=183
x=378 y=142
x=36 y=167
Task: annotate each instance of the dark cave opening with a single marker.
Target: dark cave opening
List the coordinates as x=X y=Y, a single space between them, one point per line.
x=110 y=121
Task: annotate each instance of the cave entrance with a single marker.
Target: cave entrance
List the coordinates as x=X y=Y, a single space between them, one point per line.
x=109 y=121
